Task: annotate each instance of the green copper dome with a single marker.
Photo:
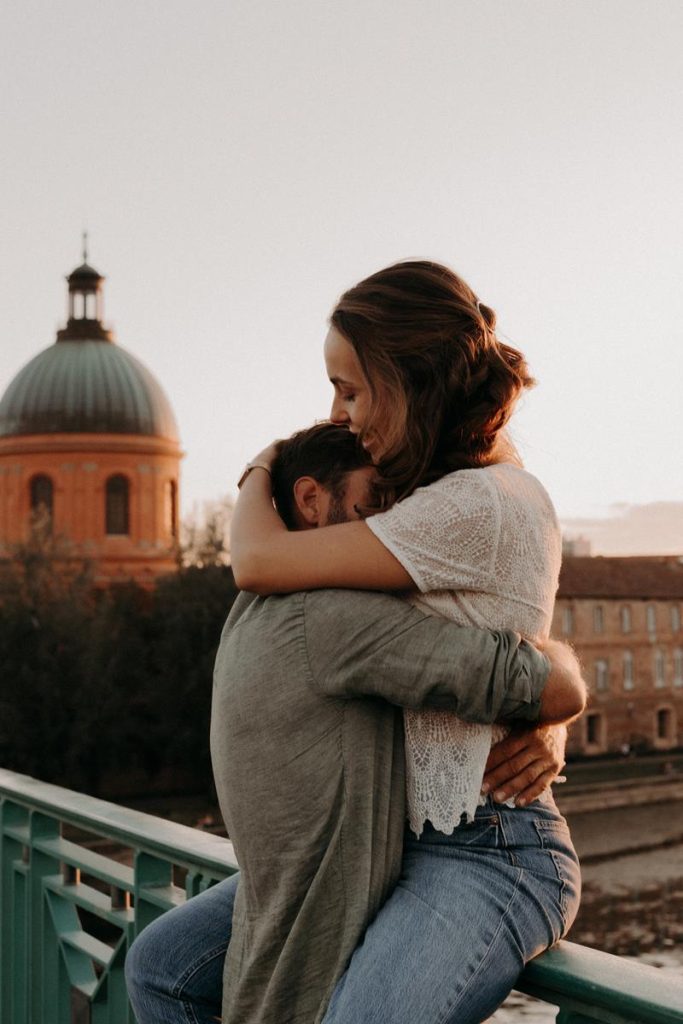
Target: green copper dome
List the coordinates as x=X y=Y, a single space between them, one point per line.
x=92 y=387
x=84 y=383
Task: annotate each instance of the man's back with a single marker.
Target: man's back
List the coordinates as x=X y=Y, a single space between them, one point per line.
x=312 y=791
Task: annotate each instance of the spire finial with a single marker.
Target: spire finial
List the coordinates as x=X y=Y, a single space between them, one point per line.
x=85 y=246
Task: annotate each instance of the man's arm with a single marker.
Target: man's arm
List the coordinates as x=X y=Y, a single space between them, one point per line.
x=564 y=695
x=370 y=644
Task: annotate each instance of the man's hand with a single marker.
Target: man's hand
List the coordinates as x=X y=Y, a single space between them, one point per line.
x=525 y=763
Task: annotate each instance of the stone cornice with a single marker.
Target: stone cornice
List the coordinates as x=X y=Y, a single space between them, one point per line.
x=57 y=443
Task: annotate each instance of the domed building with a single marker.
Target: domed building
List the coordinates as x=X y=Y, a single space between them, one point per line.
x=89 y=446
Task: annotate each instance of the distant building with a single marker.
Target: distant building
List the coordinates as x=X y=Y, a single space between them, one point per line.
x=623 y=617
x=573 y=547
x=89 y=448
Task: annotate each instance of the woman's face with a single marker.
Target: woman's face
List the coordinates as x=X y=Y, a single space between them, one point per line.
x=352 y=398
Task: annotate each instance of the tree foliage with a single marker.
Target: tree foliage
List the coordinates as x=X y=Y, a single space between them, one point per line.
x=109 y=691
x=205 y=535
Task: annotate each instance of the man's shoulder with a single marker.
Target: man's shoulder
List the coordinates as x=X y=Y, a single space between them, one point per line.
x=321 y=613
x=345 y=616
x=248 y=605
x=352 y=602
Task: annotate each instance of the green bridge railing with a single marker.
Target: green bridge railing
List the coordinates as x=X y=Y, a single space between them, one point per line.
x=68 y=914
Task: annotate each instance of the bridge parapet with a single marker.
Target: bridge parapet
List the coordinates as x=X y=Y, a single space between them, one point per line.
x=68 y=915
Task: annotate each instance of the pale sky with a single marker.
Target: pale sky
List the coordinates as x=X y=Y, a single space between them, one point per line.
x=239 y=164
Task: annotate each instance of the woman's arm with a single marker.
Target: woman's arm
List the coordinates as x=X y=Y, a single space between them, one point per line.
x=267 y=558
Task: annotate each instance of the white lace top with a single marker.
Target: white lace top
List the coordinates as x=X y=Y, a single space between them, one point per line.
x=483 y=547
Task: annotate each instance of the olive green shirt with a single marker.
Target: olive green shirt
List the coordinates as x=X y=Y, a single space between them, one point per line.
x=308 y=760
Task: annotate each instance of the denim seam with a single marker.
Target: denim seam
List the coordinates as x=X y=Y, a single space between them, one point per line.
x=555 y=827
x=190 y=1012
x=564 y=896
x=444 y=1019
x=195 y=966
x=505 y=844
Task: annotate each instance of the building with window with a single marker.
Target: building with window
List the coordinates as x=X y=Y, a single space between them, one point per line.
x=623 y=618
x=89 y=449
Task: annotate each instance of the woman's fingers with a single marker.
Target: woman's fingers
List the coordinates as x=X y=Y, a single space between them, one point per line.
x=506 y=748
x=516 y=774
x=524 y=764
x=525 y=779
x=532 y=792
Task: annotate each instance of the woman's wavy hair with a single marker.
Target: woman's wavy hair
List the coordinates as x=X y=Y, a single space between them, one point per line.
x=443 y=385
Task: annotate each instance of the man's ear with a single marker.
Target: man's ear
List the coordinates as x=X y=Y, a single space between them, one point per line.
x=307 y=494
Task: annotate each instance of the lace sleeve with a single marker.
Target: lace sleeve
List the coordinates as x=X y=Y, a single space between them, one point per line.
x=445 y=535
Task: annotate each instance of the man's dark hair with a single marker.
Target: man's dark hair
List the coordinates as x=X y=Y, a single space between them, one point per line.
x=325 y=452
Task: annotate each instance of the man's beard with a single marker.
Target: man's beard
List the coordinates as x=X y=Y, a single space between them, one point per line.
x=337 y=513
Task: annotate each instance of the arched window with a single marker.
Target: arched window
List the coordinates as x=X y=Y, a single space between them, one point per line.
x=42 y=500
x=117 y=505
x=598 y=619
x=41 y=492
x=568 y=620
x=675 y=618
x=660 y=666
x=628 y=670
x=651 y=616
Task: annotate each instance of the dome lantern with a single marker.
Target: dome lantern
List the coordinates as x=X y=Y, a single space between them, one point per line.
x=79 y=385
x=85 y=303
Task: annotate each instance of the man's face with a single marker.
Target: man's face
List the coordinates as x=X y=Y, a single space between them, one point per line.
x=339 y=507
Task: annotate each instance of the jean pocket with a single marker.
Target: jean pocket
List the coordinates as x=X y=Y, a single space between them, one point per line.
x=483 y=832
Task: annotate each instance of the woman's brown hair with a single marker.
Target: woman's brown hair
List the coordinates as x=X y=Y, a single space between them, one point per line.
x=443 y=385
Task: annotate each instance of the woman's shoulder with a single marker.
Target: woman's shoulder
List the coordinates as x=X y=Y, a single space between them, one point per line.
x=507 y=487
x=502 y=477
x=462 y=490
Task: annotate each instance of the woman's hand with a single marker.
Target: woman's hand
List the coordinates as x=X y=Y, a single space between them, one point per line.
x=525 y=763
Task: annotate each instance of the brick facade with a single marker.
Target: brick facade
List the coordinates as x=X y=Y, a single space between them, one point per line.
x=78 y=467
x=624 y=618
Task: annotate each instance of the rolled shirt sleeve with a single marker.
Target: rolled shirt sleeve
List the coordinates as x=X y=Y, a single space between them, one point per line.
x=368 y=644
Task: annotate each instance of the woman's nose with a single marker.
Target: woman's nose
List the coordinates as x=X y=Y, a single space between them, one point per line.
x=338 y=413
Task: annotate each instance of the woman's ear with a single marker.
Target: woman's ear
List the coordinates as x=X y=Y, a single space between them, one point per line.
x=307 y=501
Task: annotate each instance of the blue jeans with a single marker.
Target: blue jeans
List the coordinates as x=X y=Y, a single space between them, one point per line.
x=469 y=910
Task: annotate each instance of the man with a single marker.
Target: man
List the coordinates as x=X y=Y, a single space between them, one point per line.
x=308 y=762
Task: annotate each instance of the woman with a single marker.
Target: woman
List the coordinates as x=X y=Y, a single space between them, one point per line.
x=420 y=376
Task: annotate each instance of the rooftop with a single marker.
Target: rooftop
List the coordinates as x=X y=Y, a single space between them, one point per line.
x=646 y=577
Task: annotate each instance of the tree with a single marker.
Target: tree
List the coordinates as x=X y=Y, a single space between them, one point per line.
x=205 y=537
x=101 y=687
